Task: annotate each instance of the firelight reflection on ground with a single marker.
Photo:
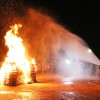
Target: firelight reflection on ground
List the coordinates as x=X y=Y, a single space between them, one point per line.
x=53 y=88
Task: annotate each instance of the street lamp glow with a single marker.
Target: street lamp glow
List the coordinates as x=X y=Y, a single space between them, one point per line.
x=89 y=50
x=68 y=61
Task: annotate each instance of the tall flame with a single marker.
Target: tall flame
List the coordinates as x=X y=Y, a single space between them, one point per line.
x=16 y=58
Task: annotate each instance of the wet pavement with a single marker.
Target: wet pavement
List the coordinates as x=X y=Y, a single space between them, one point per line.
x=53 y=87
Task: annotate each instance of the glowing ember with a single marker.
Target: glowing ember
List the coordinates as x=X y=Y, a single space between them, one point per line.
x=16 y=65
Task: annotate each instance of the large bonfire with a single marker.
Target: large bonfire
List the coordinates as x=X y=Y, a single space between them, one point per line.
x=17 y=67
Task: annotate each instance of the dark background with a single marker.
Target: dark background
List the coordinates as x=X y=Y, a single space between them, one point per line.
x=82 y=18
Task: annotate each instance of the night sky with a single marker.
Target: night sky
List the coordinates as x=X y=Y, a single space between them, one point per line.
x=81 y=18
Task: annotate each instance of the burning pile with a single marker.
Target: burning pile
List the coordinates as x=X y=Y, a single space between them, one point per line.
x=16 y=69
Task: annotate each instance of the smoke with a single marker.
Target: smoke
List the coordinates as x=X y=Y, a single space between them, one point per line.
x=54 y=47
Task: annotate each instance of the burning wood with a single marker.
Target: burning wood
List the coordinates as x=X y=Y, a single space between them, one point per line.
x=17 y=68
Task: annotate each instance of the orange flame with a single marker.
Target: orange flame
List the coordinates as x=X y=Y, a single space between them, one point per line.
x=16 y=58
